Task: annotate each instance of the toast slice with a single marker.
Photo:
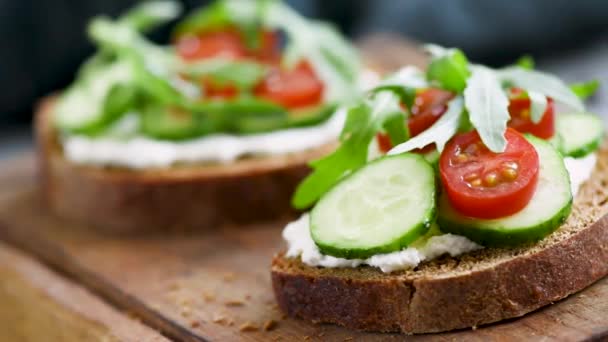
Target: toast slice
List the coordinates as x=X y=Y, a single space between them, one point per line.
x=184 y=197
x=477 y=288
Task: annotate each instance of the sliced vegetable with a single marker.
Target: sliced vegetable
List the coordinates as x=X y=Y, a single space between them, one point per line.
x=543 y=83
x=439 y=133
x=172 y=123
x=483 y=184
x=381 y=208
x=362 y=123
x=298 y=87
x=547 y=210
x=580 y=134
x=521 y=116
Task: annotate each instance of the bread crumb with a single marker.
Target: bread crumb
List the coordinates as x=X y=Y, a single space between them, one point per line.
x=208 y=296
x=248 y=326
x=270 y=324
x=234 y=302
x=222 y=320
x=195 y=324
x=185 y=312
x=229 y=276
x=474 y=327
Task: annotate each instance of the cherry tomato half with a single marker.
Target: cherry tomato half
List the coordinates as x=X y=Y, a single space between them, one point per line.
x=483 y=184
x=428 y=107
x=519 y=109
x=298 y=87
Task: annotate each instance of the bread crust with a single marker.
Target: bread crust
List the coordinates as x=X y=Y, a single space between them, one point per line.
x=183 y=198
x=452 y=293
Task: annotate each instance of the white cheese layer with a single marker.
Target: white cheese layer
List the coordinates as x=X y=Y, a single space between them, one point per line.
x=140 y=152
x=580 y=170
x=300 y=244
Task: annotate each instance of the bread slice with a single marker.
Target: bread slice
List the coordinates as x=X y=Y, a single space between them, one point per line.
x=477 y=288
x=178 y=198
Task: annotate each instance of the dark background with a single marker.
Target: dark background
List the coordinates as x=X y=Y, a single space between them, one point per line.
x=43 y=41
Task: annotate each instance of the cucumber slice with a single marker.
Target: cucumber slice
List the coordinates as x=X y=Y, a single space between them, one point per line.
x=548 y=209
x=172 y=123
x=580 y=134
x=381 y=208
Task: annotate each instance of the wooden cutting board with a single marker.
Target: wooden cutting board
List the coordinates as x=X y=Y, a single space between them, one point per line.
x=216 y=286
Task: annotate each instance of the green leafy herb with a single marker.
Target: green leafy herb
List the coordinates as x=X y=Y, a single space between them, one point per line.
x=150 y=14
x=548 y=85
x=487 y=105
x=448 y=67
x=362 y=123
x=538 y=106
x=525 y=62
x=439 y=133
x=96 y=99
x=585 y=89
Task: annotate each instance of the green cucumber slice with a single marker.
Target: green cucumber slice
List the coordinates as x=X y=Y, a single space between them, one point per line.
x=172 y=123
x=381 y=208
x=580 y=133
x=548 y=209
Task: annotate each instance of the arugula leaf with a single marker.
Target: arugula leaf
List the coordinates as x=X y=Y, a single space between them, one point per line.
x=155 y=68
x=585 y=89
x=439 y=133
x=487 y=105
x=538 y=106
x=150 y=14
x=362 y=123
x=543 y=83
x=525 y=62
x=448 y=67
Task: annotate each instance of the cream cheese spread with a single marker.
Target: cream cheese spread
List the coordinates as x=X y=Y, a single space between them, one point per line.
x=140 y=152
x=300 y=244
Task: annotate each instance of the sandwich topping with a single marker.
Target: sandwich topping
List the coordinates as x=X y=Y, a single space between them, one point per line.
x=241 y=78
x=448 y=161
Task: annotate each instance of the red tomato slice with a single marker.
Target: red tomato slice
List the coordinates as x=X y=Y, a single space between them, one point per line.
x=292 y=88
x=483 y=184
x=228 y=43
x=519 y=108
x=428 y=107
x=225 y=44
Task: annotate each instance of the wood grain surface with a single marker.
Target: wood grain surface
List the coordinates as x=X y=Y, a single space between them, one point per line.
x=39 y=305
x=208 y=286
x=216 y=285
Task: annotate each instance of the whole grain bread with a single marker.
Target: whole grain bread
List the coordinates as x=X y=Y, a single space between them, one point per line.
x=477 y=288
x=185 y=197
